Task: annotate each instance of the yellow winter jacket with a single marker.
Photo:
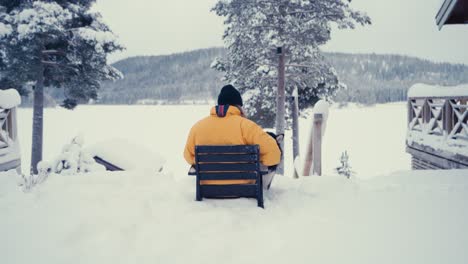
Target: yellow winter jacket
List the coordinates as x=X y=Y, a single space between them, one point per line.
x=233 y=129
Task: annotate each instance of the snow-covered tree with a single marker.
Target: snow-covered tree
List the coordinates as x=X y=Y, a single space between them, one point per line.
x=256 y=28
x=59 y=43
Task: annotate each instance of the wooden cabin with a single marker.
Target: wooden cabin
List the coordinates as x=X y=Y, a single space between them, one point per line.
x=10 y=157
x=438 y=127
x=452 y=12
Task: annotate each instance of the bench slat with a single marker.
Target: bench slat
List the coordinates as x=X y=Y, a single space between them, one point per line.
x=213 y=191
x=231 y=162
x=227 y=167
x=246 y=149
x=234 y=158
x=228 y=176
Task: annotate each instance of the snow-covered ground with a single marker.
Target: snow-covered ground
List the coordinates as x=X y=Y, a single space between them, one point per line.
x=387 y=214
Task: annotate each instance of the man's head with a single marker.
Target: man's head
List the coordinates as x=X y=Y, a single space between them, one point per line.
x=230 y=96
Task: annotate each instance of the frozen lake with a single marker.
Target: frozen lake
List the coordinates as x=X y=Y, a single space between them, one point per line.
x=373 y=136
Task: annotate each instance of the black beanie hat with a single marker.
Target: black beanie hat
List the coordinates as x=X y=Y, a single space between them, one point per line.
x=229 y=96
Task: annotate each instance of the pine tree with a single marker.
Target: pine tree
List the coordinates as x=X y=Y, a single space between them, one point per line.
x=255 y=28
x=59 y=44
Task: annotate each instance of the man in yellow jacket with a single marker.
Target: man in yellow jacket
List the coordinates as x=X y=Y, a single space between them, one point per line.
x=227 y=125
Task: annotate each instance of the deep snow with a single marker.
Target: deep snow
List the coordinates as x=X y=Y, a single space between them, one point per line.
x=142 y=217
x=386 y=215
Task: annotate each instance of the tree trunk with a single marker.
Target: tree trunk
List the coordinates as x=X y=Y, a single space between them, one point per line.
x=280 y=103
x=38 y=118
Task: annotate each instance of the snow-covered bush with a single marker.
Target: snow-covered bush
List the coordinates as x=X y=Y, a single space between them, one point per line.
x=71 y=161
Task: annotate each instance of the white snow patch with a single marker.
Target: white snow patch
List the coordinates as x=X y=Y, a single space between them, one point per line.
x=426 y=90
x=125 y=217
x=5 y=30
x=127 y=155
x=98 y=38
x=437 y=142
x=322 y=107
x=42 y=17
x=9 y=98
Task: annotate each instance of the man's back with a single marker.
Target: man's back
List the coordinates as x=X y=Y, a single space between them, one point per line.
x=230 y=128
x=226 y=125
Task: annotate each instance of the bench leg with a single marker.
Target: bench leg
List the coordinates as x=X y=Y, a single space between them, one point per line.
x=260 y=203
x=260 y=191
x=198 y=196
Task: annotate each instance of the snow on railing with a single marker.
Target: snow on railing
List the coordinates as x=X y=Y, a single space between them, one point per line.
x=442 y=111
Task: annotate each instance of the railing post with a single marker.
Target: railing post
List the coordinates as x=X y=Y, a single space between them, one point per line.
x=317 y=166
x=448 y=117
x=426 y=116
x=410 y=112
x=309 y=154
x=12 y=125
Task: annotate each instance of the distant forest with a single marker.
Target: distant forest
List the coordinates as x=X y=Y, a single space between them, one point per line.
x=176 y=78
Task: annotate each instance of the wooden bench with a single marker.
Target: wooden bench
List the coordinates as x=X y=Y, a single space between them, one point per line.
x=233 y=162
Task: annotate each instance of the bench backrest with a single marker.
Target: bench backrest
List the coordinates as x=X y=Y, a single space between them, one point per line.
x=230 y=162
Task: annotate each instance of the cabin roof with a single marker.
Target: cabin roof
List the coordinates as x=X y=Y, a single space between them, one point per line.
x=452 y=12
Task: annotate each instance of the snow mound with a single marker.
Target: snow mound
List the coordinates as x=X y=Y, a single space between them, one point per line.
x=9 y=98
x=127 y=155
x=426 y=90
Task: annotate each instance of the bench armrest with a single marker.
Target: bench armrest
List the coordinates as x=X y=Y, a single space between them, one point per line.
x=192 y=171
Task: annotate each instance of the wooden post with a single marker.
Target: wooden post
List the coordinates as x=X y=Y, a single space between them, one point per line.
x=317 y=165
x=295 y=126
x=280 y=103
x=410 y=112
x=426 y=116
x=309 y=154
x=12 y=124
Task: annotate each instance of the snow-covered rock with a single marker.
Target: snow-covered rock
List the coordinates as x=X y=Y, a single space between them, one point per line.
x=9 y=98
x=127 y=155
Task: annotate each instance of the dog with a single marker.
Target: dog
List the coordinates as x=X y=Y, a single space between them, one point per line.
x=268 y=178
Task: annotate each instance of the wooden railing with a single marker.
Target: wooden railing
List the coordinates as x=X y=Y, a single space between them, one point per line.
x=444 y=116
x=438 y=132
x=9 y=140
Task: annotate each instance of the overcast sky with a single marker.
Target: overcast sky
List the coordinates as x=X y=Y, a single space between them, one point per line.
x=155 y=27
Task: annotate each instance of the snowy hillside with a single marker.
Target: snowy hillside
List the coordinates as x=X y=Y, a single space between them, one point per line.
x=371 y=78
x=387 y=214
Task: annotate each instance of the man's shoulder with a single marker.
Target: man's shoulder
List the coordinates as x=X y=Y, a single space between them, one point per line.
x=201 y=122
x=248 y=122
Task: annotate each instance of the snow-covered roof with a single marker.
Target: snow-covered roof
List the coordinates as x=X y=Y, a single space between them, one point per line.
x=9 y=98
x=426 y=90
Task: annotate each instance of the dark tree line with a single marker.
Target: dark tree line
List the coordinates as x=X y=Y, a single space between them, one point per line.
x=370 y=78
